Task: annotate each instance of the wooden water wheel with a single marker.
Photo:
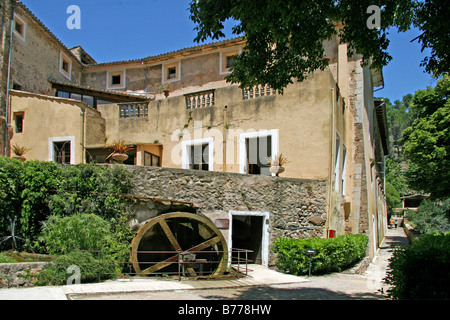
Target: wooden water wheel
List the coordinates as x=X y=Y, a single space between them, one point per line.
x=161 y=241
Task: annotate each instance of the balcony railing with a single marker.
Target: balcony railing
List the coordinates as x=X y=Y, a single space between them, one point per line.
x=201 y=99
x=134 y=110
x=257 y=91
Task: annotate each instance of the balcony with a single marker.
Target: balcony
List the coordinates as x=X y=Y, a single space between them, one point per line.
x=257 y=91
x=133 y=110
x=201 y=99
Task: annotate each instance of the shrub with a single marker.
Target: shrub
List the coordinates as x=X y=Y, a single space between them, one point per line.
x=333 y=255
x=91 y=269
x=431 y=217
x=420 y=270
x=32 y=191
x=62 y=235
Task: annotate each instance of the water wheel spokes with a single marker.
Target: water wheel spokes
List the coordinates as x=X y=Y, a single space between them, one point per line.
x=182 y=233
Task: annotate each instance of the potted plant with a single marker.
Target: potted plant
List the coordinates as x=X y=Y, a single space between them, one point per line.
x=19 y=152
x=277 y=164
x=165 y=88
x=120 y=151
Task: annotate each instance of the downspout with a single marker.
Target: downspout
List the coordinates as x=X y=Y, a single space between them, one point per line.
x=7 y=116
x=146 y=80
x=330 y=178
x=224 y=142
x=83 y=158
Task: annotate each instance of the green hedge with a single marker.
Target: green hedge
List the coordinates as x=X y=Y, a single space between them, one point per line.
x=421 y=270
x=91 y=269
x=333 y=255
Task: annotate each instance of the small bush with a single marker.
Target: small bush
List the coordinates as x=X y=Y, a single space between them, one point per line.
x=6 y=258
x=91 y=269
x=421 y=270
x=62 y=235
x=333 y=255
x=431 y=217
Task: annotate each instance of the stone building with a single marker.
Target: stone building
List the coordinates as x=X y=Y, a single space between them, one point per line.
x=177 y=112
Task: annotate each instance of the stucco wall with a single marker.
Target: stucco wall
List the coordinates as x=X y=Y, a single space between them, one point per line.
x=302 y=118
x=61 y=118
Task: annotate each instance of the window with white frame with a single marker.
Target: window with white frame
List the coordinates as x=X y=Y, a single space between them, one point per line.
x=198 y=154
x=65 y=65
x=344 y=170
x=62 y=149
x=337 y=162
x=171 y=72
x=227 y=60
x=255 y=151
x=116 y=79
x=19 y=27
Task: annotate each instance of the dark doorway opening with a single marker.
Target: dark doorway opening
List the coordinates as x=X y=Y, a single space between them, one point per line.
x=247 y=234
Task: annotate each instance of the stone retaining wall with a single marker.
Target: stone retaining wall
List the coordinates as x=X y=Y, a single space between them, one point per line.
x=297 y=208
x=19 y=274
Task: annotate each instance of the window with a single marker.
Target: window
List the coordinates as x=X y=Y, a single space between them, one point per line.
x=18 y=119
x=227 y=60
x=198 y=154
x=20 y=27
x=230 y=62
x=116 y=79
x=171 y=72
x=259 y=151
x=65 y=65
x=337 y=163
x=344 y=170
x=151 y=160
x=61 y=150
x=255 y=151
x=63 y=94
x=199 y=157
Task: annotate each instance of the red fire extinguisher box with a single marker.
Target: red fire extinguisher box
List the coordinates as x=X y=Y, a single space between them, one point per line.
x=331 y=233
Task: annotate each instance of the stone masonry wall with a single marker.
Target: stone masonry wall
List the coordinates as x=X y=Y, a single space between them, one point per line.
x=297 y=208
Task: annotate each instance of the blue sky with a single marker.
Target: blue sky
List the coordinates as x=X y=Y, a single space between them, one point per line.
x=113 y=30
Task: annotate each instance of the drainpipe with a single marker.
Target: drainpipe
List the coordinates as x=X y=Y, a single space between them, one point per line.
x=224 y=143
x=7 y=105
x=146 y=80
x=330 y=178
x=83 y=155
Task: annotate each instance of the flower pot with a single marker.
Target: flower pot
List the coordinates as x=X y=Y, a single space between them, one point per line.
x=276 y=169
x=21 y=158
x=120 y=157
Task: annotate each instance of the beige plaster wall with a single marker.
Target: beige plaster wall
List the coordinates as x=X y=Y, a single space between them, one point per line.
x=302 y=117
x=60 y=118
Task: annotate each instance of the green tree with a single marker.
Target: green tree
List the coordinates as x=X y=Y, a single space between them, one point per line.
x=427 y=141
x=284 y=39
x=399 y=117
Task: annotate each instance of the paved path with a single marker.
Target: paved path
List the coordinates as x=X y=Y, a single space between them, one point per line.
x=260 y=284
